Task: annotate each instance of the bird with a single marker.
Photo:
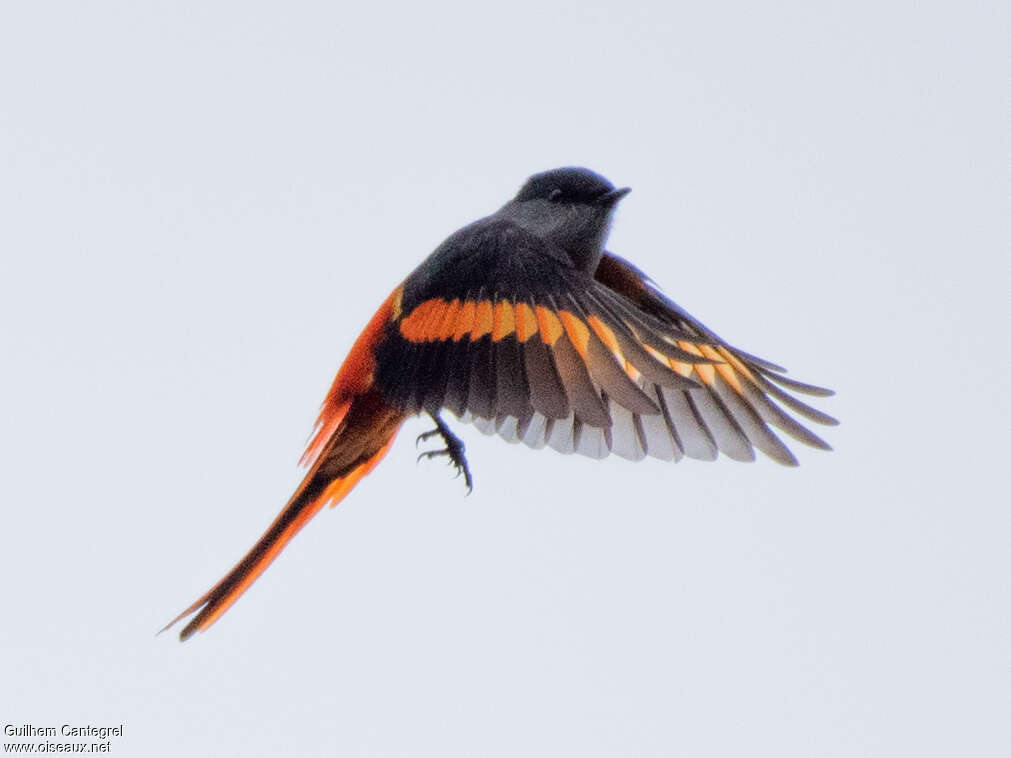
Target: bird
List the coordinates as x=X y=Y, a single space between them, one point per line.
x=523 y=324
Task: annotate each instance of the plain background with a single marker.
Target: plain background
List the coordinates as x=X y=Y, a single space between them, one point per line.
x=201 y=204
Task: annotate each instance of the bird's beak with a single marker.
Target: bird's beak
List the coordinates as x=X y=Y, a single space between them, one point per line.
x=612 y=197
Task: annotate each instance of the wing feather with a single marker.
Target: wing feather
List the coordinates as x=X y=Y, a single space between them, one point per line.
x=554 y=357
x=547 y=393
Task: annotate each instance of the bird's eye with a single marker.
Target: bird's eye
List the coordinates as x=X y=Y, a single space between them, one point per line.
x=554 y=194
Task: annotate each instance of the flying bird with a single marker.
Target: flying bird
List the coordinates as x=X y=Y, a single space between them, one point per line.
x=524 y=325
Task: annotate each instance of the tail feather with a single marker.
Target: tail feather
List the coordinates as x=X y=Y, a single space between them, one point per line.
x=354 y=431
x=353 y=379
x=364 y=436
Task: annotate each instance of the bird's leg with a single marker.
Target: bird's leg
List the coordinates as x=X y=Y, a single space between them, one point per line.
x=454 y=449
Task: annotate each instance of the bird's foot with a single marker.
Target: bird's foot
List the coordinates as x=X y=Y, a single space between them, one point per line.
x=454 y=449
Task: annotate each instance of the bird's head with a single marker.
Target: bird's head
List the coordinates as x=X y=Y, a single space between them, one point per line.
x=570 y=207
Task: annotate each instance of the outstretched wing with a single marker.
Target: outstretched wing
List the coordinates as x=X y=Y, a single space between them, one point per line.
x=743 y=394
x=499 y=330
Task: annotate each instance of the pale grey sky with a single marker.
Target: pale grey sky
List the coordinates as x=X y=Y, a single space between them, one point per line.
x=203 y=203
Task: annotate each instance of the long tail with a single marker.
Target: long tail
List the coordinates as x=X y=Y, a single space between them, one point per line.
x=355 y=430
x=359 y=444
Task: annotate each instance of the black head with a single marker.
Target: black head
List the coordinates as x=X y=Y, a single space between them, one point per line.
x=570 y=185
x=569 y=207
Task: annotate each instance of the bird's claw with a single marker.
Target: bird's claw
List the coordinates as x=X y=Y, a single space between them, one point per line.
x=454 y=450
x=426 y=436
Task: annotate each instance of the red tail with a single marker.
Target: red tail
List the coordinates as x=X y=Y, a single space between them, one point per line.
x=355 y=430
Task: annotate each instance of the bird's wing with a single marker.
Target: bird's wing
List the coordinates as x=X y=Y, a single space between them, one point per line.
x=743 y=394
x=503 y=333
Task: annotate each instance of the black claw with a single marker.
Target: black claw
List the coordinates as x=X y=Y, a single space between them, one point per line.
x=426 y=435
x=454 y=450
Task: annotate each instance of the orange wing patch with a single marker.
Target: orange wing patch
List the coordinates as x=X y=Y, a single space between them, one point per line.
x=504 y=321
x=610 y=340
x=605 y=333
x=578 y=331
x=465 y=320
x=417 y=326
x=447 y=327
x=484 y=319
x=724 y=369
x=526 y=322
x=705 y=371
x=441 y=320
x=437 y=320
x=549 y=325
x=718 y=359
